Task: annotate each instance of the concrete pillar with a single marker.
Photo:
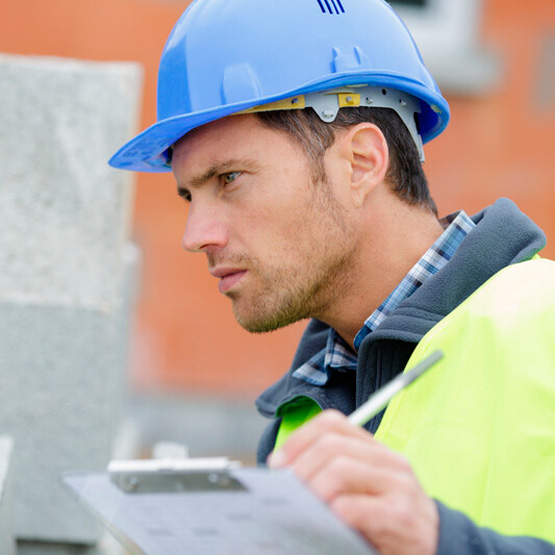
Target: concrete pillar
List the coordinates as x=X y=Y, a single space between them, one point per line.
x=65 y=279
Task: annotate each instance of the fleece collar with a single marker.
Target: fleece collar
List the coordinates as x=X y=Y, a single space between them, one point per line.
x=503 y=235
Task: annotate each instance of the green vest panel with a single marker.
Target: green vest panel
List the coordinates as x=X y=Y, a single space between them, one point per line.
x=479 y=428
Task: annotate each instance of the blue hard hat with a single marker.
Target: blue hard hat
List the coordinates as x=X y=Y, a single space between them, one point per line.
x=226 y=56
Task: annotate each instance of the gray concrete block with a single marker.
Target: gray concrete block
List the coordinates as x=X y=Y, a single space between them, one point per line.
x=65 y=213
x=61 y=392
x=7 y=543
x=65 y=285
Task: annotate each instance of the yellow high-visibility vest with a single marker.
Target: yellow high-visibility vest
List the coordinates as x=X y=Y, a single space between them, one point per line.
x=479 y=427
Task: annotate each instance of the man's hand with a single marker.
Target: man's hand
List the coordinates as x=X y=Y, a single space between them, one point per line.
x=369 y=486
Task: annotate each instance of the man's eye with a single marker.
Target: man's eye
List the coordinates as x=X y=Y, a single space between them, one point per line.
x=228 y=178
x=184 y=194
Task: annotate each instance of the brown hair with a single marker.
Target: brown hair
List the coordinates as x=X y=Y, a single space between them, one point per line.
x=405 y=173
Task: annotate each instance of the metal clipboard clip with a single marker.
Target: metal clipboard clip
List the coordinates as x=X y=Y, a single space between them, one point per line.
x=193 y=475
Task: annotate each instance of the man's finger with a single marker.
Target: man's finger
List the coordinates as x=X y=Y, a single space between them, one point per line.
x=324 y=451
x=301 y=439
x=345 y=475
x=391 y=523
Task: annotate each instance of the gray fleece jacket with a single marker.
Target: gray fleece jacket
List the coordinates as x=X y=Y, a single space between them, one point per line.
x=503 y=236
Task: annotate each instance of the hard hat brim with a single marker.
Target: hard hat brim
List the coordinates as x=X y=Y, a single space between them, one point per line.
x=147 y=152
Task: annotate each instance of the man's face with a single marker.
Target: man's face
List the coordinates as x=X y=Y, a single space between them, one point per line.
x=280 y=243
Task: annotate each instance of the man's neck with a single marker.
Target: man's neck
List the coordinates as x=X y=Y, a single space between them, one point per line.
x=393 y=238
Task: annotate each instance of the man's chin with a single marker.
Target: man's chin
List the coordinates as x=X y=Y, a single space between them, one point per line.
x=257 y=324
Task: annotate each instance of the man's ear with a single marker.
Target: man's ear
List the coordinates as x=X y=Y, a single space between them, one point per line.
x=369 y=159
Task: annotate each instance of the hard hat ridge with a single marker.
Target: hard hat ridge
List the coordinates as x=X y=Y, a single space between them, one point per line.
x=226 y=56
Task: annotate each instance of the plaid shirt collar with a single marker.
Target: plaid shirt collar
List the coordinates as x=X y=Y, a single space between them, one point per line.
x=337 y=355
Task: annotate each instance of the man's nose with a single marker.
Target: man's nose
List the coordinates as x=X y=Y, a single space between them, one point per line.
x=205 y=229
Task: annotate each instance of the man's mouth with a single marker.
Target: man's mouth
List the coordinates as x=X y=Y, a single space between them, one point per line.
x=229 y=277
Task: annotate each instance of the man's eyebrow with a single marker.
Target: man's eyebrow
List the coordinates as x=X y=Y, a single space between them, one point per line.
x=233 y=164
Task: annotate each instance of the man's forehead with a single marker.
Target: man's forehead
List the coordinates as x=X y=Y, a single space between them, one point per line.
x=214 y=132
x=215 y=146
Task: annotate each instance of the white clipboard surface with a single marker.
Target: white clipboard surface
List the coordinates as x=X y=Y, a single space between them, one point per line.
x=228 y=512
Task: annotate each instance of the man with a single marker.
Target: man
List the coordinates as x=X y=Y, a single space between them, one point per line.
x=294 y=130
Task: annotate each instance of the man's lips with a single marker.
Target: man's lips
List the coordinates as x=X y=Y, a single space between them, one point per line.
x=228 y=277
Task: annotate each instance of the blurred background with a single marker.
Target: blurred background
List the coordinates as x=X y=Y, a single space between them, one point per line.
x=185 y=371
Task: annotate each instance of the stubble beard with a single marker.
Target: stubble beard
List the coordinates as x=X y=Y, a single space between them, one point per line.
x=290 y=296
x=307 y=289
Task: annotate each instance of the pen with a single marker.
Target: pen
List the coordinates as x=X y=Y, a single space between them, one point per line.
x=379 y=399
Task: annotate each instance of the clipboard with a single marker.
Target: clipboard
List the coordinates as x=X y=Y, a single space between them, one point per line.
x=212 y=507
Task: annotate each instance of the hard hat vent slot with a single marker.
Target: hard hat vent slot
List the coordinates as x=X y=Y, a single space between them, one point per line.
x=331 y=6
